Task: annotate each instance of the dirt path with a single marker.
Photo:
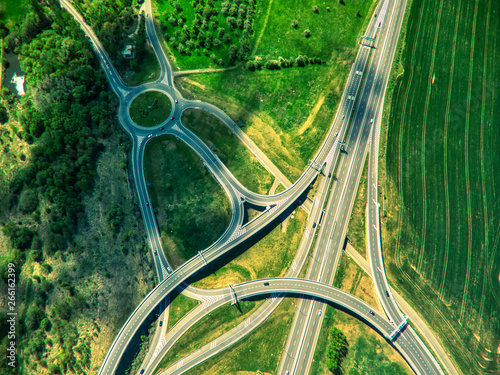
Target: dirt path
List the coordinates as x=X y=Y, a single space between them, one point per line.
x=312 y=115
x=207 y=70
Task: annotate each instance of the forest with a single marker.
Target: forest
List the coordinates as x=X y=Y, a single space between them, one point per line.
x=63 y=121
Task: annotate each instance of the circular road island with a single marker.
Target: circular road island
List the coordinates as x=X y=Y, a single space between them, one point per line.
x=150 y=108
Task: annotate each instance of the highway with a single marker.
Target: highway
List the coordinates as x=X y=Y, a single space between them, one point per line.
x=340 y=200
x=307 y=323
x=297 y=288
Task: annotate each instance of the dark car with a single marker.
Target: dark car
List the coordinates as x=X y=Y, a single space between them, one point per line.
x=161 y=323
x=142 y=371
x=371 y=312
x=387 y=293
x=314 y=225
x=162 y=128
x=266 y=284
x=147 y=204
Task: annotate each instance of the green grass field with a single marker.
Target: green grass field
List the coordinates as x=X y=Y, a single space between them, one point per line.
x=287 y=112
x=179 y=307
x=150 y=109
x=270 y=257
x=148 y=70
x=191 y=207
x=207 y=329
x=231 y=151
x=258 y=353
x=443 y=163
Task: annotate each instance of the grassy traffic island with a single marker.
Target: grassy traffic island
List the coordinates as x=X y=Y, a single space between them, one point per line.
x=231 y=151
x=150 y=109
x=191 y=208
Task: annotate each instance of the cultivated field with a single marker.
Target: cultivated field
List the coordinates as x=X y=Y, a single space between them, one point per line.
x=443 y=167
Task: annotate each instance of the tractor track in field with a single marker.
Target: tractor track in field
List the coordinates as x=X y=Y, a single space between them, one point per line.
x=424 y=128
x=483 y=172
x=445 y=145
x=400 y=145
x=467 y=177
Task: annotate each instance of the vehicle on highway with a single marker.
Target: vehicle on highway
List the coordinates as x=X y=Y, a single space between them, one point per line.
x=162 y=128
x=286 y=372
x=142 y=371
x=387 y=293
x=319 y=313
x=147 y=204
x=371 y=312
x=266 y=284
x=161 y=323
x=169 y=269
x=314 y=225
x=329 y=175
x=149 y=136
x=171 y=118
x=175 y=101
x=371 y=121
x=343 y=117
x=156 y=253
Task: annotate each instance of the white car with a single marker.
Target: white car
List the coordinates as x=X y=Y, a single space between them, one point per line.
x=319 y=314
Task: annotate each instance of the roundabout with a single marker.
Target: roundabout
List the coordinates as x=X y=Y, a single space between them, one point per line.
x=150 y=108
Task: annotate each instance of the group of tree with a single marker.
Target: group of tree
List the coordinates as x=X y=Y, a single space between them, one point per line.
x=68 y=108
x=113 y=22
x=224 y=31
x=336 y=350
x=300 y=61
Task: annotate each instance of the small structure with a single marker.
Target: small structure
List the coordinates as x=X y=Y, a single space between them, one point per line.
x=128 y=51
x=19 y=82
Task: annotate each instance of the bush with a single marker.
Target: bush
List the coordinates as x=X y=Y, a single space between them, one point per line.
x=315 y=9
x=300 y=61
x=250 y=66
x=28 y=201
x=307 y=33
x=272 y=64
x=295 y=24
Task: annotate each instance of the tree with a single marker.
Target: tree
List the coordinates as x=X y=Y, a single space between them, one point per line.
x=233 y=53
x=272 y=64
x=231 y=21
x=295 y=24
x=300 y=61
x=250 y=66
x=315 y=9
x=307 y=33
x=336 y=350
x=28 y=201
x=4 y=117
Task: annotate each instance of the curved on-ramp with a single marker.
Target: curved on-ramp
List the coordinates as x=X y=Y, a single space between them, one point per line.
x=412 y=350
